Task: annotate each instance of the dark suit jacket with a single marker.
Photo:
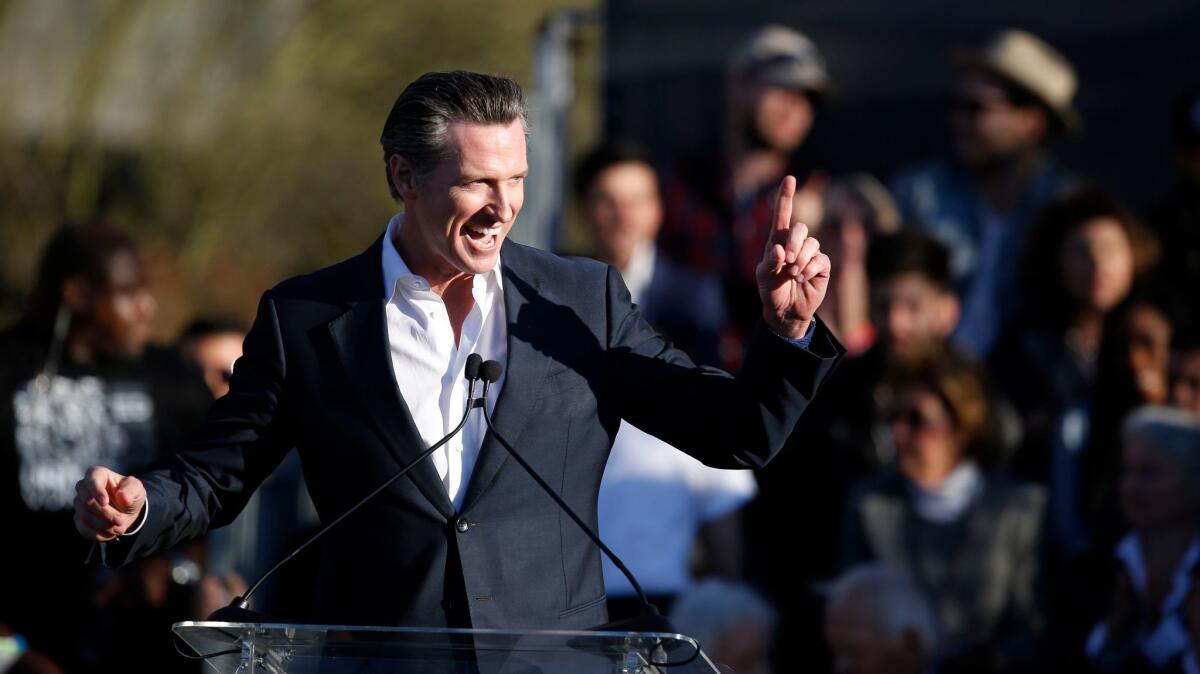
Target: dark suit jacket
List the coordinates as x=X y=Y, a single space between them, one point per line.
x=316 y=375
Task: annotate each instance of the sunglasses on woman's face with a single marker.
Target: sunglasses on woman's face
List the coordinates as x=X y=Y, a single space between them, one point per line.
x=913 y=418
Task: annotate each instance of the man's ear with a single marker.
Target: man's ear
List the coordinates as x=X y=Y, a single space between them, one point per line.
x=77 y=295
x=948 y=311
x=404 y=177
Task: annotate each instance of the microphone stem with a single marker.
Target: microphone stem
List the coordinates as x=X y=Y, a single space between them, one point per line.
x=244 y=601
x=637 y=587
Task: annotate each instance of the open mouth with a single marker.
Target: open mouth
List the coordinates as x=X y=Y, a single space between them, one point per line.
x=483 y=238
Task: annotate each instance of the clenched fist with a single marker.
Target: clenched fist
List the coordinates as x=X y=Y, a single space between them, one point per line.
x=107 y=504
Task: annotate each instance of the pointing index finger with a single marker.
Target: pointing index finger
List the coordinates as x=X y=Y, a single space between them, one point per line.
x=782 y=216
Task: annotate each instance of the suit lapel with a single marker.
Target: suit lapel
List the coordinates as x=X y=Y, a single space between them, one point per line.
x=524 y=308
x=360 y=338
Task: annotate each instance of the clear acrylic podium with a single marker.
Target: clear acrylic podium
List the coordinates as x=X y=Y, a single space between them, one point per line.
x=279 y=648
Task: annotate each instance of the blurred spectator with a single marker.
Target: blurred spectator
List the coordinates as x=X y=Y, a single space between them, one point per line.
x=914 y=309
x=1155 y=596
x=1012 y=96
x=213 y=345
x=656 y=504
x=1080 y=263
x=617 y=189
x=84 y=386
x=655 y=501
x=878 y=622
x=718 y=206
x=856 y=209
x=733 y=624
x=1185 y=375
x=1133 y=370
x=970 y=538
x=1177 y=221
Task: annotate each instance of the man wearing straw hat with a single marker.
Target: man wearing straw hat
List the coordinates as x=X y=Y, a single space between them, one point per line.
x=1011 y=97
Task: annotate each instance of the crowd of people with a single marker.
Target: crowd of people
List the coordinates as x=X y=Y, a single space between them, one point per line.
x=999 y=477
x=1002 y=476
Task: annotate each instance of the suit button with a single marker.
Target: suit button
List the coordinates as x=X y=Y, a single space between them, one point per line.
x=462 y=525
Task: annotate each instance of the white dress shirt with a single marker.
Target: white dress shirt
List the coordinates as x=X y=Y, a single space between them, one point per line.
x=640 y=271
x=653 y=501
x=429 y=365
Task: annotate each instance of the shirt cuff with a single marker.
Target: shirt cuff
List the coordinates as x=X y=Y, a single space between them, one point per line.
x=141 y=521
x=804 y=341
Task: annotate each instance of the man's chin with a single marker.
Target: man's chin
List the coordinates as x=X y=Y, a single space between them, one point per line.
x=476 y=262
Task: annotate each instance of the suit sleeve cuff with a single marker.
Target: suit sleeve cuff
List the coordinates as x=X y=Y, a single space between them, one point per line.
x=806 y=340
x=141 y=521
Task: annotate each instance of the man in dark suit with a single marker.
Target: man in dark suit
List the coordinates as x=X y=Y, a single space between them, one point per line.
x=359 y=366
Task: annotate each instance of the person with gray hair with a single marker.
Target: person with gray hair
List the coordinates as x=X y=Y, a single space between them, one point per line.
x=877 y=620
x=1154 y=616
x=734 y=625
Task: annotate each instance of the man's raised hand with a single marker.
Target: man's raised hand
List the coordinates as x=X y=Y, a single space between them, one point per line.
x=107 y=504
x=794 y=273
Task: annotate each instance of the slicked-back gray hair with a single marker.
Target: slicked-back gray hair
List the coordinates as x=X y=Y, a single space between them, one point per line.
x=416 y=127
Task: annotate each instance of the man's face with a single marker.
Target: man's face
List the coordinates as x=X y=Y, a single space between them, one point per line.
x=457 y=216
x=987 y=127
x=912 y=314
x=120 y=311
x=215 y=354
x=623 y=209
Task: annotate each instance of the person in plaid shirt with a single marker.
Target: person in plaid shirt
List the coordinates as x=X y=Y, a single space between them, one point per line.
x=715 y=208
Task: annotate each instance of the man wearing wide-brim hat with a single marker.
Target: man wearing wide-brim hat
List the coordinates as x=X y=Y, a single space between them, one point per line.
x=1012 y=95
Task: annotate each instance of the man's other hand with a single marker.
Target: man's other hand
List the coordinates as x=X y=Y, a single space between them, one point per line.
x=794 y=273
x=107 y=504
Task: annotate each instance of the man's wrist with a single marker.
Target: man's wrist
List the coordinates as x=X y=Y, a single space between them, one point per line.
x=805 y=338
x=143 y=515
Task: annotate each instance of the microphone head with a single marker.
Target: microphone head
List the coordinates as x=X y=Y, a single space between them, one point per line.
x=472 y=370
x=490 y=371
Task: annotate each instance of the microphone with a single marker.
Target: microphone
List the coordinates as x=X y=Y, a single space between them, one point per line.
x=239 y=611
x=650 y=620
x=471 y=371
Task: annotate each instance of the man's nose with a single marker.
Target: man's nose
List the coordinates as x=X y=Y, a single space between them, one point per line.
x=504 y=198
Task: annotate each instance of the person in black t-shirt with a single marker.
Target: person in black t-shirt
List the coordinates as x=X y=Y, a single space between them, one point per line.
x=81 y=385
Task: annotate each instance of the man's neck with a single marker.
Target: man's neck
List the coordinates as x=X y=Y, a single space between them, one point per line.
x=1005 y=181
x=440 y=280
x=455 y=287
